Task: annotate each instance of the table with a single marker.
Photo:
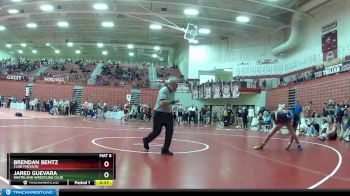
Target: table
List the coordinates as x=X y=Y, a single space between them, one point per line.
x=114 y=115
x=20 y=106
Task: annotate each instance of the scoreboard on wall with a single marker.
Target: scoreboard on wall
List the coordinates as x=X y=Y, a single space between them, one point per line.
x=61 y=169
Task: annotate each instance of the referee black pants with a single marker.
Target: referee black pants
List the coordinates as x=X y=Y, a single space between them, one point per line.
x=161 y=119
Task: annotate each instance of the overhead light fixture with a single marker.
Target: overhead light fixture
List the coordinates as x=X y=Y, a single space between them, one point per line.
x=156 y=48
x=32 y=25
x=12 y=11
x=70 y=44
x=204 y=31
x=20 y=51
x=57 y=51
x=2 y=28
x=107 y=24
x=100 y=6
x=130 y=46
x=131 y=54
x=154 y=56
x=77 y=52
x=46 y=8
x=62 y=24
x=193 y=41
x=243 y=19
x=155 y=26
x=191 y=12
x=34 y=51
x=228 y=70
x=47 y=44
x=8 y=45
x=105 y=52
x=100 y=45
x=23 y=45
x=16 y=1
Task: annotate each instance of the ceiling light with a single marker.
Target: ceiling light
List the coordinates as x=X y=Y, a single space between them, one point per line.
x=131 y=54
x=107 y=24
x=193 y=41
x=70 y=44
x=155 y=26
x=32 y=25
x=57 y=51
x=191 y=12
x=243 y=19
x=23 y=45
x=46 y=8
x=100 y=6
x=204 y=31
x=34 y=51
x=62 y=24
x=100 y=45
x=8 y=45
x=12 y=11
x=47 y=44
x=130 y=46
x=228 y=70
x=20 y=51
x=105 y=52
x=154 y=56
x=156 y=48
x=16 y=1
x=2 y=28
x=77 y=52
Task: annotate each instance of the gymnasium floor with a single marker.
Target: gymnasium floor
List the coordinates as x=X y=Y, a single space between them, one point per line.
x=205 y=157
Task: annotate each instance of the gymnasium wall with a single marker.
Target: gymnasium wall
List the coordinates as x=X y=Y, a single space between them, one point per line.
x=244 y=99
x=4 y=54
x=181 y=56
x=216 y=53
x=310 y=48
x=44 y=91
x=336 y=87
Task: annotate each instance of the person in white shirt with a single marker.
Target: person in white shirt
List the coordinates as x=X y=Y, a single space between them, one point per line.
x=192 y=114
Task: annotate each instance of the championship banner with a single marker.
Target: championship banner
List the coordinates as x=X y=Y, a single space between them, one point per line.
x=195 y=93
x=330 y=46
x=235 y=90
x=201 y=91
x=183 y=88
x=217 y=90
x=207 y=89
x=226 y=90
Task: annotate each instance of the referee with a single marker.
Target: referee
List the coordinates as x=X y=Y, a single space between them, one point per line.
x=163 y=115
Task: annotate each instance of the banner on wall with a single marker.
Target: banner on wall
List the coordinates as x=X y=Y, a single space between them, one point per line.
x=11 y=77
x=200 y=91
x=330 y=46
x=226 y=90
x=207 y=88
x=49 y=79
x=195 y=93
x=217 y=90
x=235 y=90
x=183 y=88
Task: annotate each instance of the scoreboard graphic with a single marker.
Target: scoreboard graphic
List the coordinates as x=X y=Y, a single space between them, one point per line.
x=61 y=169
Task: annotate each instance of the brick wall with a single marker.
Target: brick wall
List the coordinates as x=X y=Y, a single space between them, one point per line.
x=276 y=96
x=45 y=91
x=11 y=88
x=149 y=95
x=336 y=87
x=112 y=95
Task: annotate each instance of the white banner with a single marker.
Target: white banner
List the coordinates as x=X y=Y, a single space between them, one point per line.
x=10 y=77
x=54 y=79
